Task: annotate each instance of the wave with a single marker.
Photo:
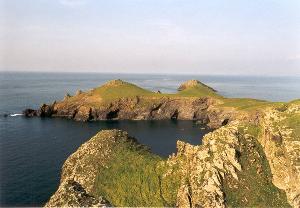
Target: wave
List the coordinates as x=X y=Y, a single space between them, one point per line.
x=16 y=114
x=11 y=114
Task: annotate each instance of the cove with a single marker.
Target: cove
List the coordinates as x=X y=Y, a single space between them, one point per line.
x=34 y=150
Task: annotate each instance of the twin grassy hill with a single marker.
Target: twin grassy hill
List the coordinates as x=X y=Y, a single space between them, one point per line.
x=116 y=89
x=242 y=163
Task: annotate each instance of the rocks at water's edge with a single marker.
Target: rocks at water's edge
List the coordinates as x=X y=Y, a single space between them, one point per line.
x=44 y=111
x=238 y=165
x=31 y=112
x=242 y=163
x=118 y=100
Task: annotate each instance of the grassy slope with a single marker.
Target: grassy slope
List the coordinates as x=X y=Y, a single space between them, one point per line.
x=134 y=178
x=125 y=89
x=198 y=91
x=117 y=89
x=292 y=121
x=254 y=188
x=121 y=89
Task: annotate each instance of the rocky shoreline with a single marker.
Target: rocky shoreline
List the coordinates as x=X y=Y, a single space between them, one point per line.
x=236 y=166
x=251 y=159
x=90 y=106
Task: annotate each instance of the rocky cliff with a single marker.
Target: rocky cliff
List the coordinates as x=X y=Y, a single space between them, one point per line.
x=112 y=168
x=251 y=159
x=280 y=140
x=119 y=100
x=238 y=165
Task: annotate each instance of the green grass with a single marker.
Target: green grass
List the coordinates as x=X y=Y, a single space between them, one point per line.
x=124 y=89
x=254 y=189
x=121 y=89
x=118 y=89
x=251 y=129
x=198 y=91
x=244 y=103
x=134 y=178
x=292 y=121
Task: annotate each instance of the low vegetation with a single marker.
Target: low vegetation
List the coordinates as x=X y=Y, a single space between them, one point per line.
x=134 y=177
x=116 y=89
x=292 y=122
x=254 y=187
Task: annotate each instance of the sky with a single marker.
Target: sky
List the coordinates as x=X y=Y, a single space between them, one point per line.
x=235 y=37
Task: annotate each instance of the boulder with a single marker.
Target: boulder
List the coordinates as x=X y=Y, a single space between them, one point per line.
x=46 y=110
x=30 y=112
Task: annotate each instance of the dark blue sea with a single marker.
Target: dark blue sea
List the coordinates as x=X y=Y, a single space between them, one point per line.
x=33 y=150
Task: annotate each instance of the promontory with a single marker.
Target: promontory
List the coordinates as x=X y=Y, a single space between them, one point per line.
x=250 y=159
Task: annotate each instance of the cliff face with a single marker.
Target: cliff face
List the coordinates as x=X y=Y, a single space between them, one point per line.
x=202 y=169
x=229 y=169
x=120 y=100
x=252 y=159
x=238 y=165
x=81 y=168
x=113 y=168
x=281 y=142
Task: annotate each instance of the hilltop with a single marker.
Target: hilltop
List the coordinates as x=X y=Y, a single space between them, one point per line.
x=121 y=100
x=251 y=159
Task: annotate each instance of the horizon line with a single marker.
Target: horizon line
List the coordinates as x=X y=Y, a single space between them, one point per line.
x=145 y=73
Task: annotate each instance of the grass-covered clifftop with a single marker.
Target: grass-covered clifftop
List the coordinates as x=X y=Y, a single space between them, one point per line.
x=115 y=167
x=250 y=160
x=231 y=168
x=117 y=89
x=121 y=100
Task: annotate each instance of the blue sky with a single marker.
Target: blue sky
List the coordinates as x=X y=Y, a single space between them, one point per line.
x=260 y=37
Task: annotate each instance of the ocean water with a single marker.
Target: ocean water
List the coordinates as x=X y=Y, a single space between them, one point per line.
x=33 y=150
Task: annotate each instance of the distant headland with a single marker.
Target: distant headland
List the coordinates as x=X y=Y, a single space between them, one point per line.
x=255 y=145
x=120 y=100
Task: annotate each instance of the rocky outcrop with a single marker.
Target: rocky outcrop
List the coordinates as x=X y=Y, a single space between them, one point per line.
x=44 y=111
x=138 y=104
x=30 y=112
x=80 y=170
x=250 y=160
x=194 y=83
x=282 y=149
x=204 y=167
x=119 y=100
x=72 y=194
x=138 y=108
x=230 y=168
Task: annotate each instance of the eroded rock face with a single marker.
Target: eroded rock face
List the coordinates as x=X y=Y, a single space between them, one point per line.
x=138 y=108
x=72 y=194
x=80 y=170
x=207 y=175
x=92 y=105
x=282 y=149
x=30 y=112
x=203 y=168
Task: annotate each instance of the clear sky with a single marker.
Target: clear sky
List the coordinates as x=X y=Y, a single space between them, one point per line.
x=151 y=36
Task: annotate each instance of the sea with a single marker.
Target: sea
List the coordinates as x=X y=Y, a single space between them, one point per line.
x=33 y=150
